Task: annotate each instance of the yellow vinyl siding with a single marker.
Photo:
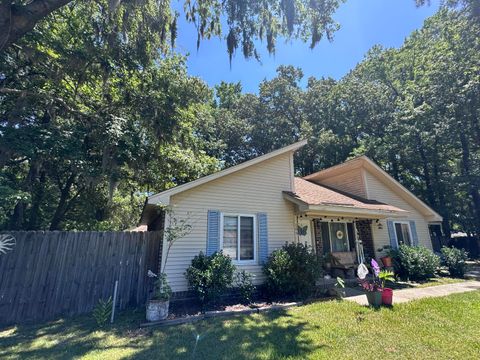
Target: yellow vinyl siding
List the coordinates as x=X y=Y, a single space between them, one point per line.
x=350 y=182
x=380 y=191
x=255 y=189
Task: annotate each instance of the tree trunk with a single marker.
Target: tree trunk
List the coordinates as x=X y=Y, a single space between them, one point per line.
x=62 y=204
x=444 y=211
x=17 y=219
x=472 y=188
x=395 y=171
x=16 y=20
x=426 y=173
x=37 y=199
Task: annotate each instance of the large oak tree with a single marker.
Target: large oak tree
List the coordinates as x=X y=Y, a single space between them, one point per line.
x=246 y=21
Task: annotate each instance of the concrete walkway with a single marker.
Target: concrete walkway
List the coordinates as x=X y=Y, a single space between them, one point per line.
x=405 y=295
x=474 y=272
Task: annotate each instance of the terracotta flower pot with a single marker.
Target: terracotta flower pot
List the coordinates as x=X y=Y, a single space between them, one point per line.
x=387 y=296
x=374 y=298
x=387 y=261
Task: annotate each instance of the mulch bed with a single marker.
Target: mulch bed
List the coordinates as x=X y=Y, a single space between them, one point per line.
x=190 y=310
x=228 y=310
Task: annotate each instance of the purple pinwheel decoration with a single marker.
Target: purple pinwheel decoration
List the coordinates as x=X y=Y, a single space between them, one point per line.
x=375 y=267
x=372 y=284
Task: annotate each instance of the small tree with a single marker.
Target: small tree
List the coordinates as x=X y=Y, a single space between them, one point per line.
x=176 y=229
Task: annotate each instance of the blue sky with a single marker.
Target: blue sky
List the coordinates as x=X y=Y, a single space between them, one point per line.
x=364 y=23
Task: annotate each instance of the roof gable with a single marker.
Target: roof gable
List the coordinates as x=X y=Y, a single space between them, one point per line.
x=164 y=196
x=383 y=176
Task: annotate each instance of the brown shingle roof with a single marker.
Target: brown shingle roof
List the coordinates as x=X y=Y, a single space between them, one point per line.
x=315 y=194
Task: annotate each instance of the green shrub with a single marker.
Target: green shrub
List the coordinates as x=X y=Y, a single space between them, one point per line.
x=455 y=259
x=244 y=284
x=415 y=262
x=292 y=270
x=103 y=311
x=210 y=276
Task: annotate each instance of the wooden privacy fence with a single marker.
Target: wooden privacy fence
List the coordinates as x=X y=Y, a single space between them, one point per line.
x=49 y=274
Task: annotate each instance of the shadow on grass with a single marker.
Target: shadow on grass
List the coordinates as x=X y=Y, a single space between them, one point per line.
x=271 y=335
x=64 y=338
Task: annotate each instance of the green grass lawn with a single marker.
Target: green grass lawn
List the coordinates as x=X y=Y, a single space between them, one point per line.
x=435 y=328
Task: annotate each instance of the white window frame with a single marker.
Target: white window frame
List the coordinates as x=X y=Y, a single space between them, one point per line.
x=235 y=261
x=346 y=233
x=409 y=232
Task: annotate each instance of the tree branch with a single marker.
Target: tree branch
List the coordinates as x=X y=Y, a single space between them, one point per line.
x=60 y=101
x=16 y=20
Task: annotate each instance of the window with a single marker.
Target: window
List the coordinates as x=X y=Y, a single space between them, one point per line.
x=402 y=230
x=238 y=237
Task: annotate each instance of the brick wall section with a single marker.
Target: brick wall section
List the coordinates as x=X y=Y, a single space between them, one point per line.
x=364 y=233
x=318 y=238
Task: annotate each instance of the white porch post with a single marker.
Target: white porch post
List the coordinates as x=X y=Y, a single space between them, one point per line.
x=358 y=246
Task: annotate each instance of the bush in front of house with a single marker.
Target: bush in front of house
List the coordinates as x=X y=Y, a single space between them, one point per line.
x=415 y=262
x=455 y=260
x=244 y=284
x=292 y=270
x=210 y=277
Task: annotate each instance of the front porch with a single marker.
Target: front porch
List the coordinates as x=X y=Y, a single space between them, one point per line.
x=342 y=228
x=341 y=242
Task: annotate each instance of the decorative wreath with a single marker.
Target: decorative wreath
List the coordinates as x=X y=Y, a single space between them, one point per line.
x=340 y=234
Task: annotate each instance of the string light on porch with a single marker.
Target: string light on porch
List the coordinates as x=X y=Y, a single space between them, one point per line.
x=379 y=224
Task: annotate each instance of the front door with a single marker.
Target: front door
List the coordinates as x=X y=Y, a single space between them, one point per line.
x=334 y=237
x=339 y=237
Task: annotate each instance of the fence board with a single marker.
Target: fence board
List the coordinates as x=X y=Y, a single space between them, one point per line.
x=50 y=274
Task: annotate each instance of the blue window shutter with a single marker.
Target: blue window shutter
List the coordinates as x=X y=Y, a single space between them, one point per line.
x=392 y=234
x=213 y=232
x=413 y=229
x=262 y=237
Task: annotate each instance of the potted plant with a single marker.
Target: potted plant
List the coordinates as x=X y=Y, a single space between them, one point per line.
x=387 y=259
x=157 y=306
x=387 y=293
x=340 y=288
x=372 y=287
